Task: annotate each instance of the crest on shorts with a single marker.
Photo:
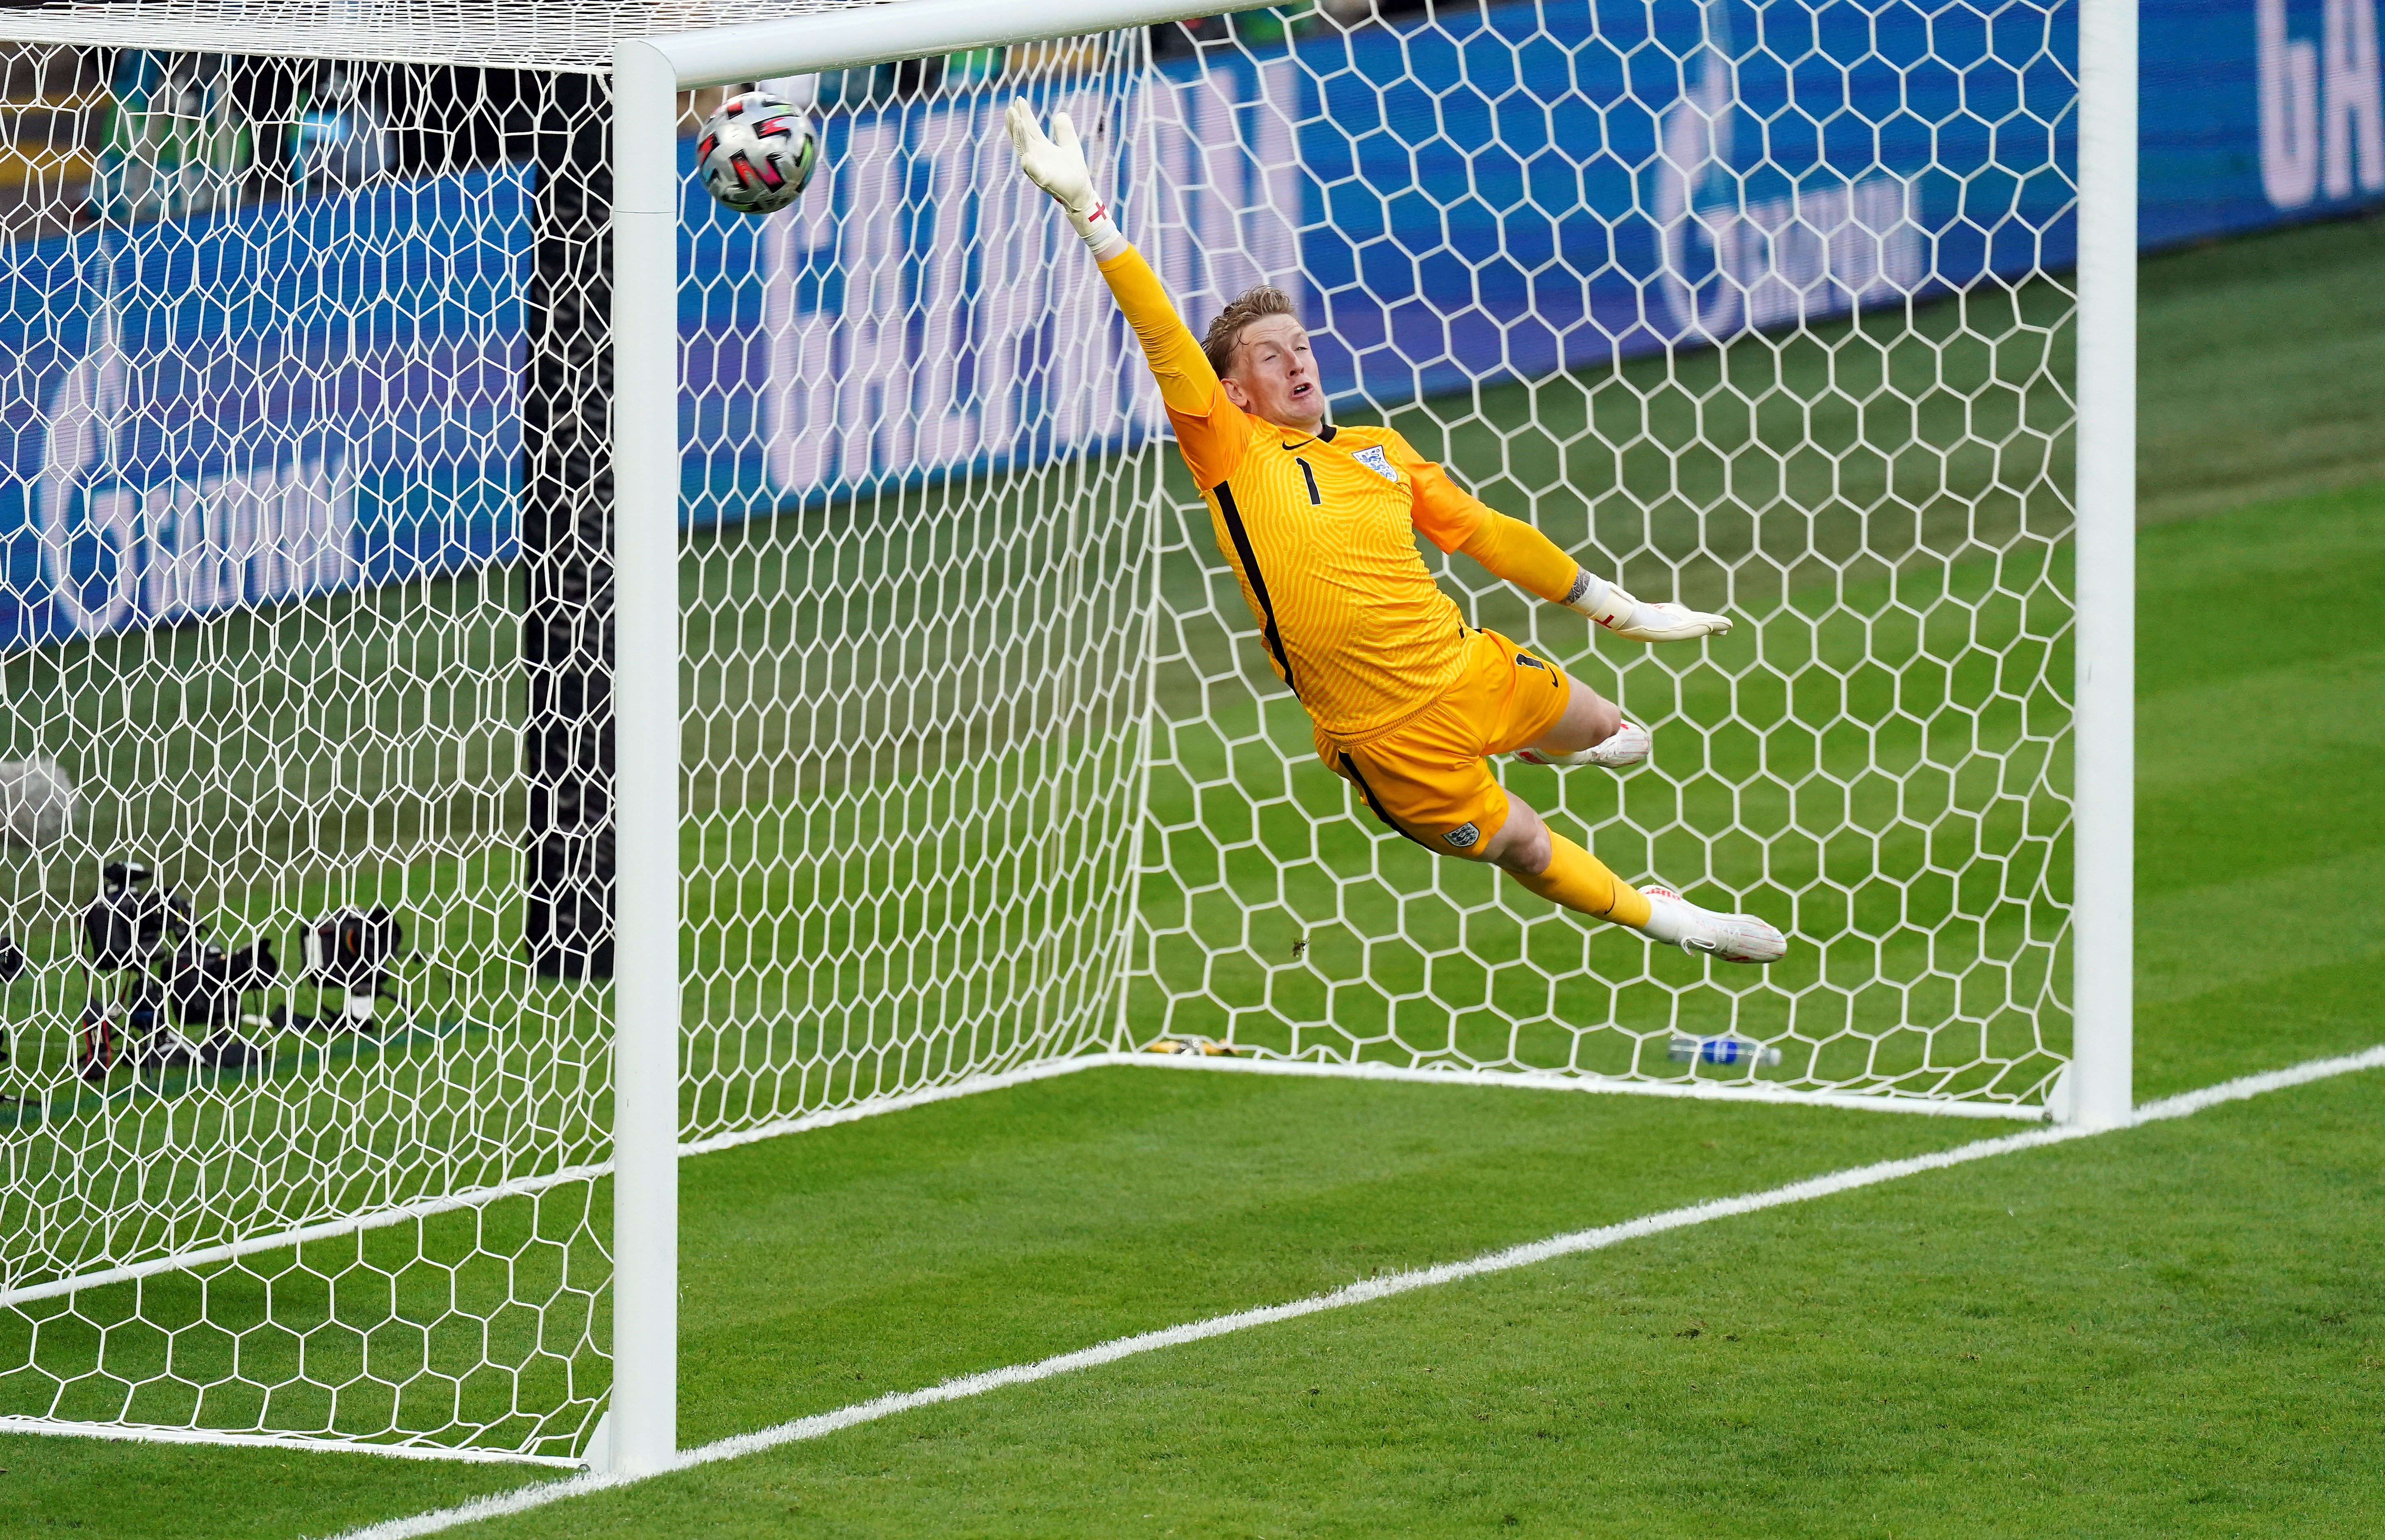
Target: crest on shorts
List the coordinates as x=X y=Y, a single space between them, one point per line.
x=1375 y=460
x=1465 y=836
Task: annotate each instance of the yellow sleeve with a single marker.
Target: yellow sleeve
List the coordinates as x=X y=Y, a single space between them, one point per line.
x=1210 y=430
x=1444 y=512
x=1511 y=549
x=1455 y=520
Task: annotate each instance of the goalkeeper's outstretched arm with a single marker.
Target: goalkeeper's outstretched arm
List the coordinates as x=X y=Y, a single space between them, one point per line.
x=1208 y=426
x=1513 y=549
x=1455 y=520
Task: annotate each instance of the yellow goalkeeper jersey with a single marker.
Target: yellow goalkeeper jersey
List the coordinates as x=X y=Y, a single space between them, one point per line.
x=1319 y=531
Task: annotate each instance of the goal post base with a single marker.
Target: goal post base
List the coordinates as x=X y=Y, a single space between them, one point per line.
x=1542 y=1080
x=136 y=1432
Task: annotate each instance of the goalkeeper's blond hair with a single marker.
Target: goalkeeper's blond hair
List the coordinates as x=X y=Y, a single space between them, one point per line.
x=1226 y=331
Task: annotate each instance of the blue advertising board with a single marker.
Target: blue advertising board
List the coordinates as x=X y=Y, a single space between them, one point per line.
x=258 y=405
x=1553 y=187
x=1500 y=194
x=323 y=394
x=2257 y=112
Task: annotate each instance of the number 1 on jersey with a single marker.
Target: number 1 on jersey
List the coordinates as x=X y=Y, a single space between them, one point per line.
x=1314 y=498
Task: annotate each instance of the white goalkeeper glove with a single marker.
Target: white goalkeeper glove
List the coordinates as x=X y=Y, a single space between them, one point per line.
x=1056 y=165
x=1636 y=620
x=1733 y=937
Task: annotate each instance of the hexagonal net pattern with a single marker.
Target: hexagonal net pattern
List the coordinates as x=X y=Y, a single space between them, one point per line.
x=309 y=675
x=916 y=679
x=305 y=1092
x=1760 y=306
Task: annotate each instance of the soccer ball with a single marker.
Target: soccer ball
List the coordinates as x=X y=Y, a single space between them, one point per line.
x=37 y=801
x=757 y=152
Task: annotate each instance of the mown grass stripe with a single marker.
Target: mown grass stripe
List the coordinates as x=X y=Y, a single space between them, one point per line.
x=1366 y=1291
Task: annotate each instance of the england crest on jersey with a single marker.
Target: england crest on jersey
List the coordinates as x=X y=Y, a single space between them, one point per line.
x=1373 y=458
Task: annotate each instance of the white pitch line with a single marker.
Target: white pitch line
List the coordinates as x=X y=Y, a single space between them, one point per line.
x=522 y=1499
x=2245 y=1088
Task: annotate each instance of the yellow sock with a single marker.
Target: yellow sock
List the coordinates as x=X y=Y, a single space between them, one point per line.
x=1580 y=881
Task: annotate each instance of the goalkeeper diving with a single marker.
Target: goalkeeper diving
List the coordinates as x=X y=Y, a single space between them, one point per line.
x=1317 y=521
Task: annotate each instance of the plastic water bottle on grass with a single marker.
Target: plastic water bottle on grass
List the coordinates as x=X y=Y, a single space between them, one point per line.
x=1720 y=1050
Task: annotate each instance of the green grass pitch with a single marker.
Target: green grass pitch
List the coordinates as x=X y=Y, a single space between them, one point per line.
x=2178 y=1330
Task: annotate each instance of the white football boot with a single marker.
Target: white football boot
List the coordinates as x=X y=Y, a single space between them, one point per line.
x=1733 y=937
x=1624 y=748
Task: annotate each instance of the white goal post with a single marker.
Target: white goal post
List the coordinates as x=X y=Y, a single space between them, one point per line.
x=924 y=751
x=648 y=74
x=2104 y=710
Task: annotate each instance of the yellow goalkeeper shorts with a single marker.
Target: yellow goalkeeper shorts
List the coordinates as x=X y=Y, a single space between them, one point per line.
x=1429 y=777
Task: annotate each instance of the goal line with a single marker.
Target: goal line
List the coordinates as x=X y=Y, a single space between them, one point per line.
x=975 y=1085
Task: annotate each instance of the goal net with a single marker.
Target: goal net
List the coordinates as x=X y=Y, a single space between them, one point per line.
x=1760 y=307
x=309 y=718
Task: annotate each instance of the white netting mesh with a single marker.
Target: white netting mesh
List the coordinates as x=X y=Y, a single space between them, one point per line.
x=916 y=699
x=489 y=33
x=308 y=576
x=298 y=359
x=1673 y=285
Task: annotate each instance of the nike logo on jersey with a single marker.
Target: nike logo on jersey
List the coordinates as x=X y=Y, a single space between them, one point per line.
x=1373 y=458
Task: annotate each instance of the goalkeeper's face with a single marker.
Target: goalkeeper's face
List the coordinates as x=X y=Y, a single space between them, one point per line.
x=1275 y=375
